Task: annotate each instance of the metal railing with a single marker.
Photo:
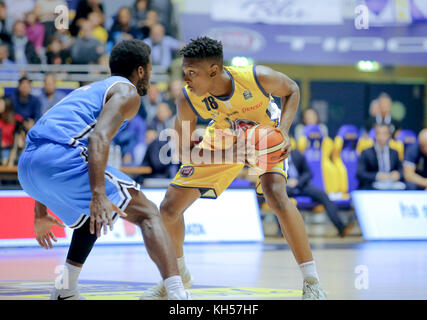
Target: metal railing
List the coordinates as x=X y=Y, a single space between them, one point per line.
x=68 y=72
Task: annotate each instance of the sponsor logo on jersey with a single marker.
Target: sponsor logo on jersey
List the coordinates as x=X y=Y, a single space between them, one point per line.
x=247 y=95
x=186 y=171
x=251 y=108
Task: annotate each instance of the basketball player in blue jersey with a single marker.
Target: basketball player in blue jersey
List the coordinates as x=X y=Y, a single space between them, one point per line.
x=64 y=168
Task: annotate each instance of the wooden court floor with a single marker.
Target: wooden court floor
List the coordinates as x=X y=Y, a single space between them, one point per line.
x=349 y=269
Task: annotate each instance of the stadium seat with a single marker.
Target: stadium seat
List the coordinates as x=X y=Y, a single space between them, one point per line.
x=345 y=157
x=407 y=137
x=317 y=151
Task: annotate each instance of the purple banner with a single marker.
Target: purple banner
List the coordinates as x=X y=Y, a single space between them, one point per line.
x=342 y=45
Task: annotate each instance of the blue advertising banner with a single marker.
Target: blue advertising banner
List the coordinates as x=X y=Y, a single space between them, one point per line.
x=313 y=44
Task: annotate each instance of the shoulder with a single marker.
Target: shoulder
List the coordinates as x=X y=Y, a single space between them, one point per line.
x=185 y=107
x=412 y=152
x=124 y=91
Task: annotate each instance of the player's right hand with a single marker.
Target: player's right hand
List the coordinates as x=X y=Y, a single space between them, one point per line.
x=101 y=211
x=43 y=229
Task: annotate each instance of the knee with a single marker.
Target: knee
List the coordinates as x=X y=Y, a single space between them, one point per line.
x=167 y=212
x=145 y=214
x=277 y=199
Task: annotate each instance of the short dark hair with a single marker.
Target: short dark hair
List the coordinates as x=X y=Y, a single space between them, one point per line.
x=127 y=56
x=203 y=48
x=22 y=79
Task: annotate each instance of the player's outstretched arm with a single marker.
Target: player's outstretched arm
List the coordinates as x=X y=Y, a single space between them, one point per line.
x=280 y=85
x=122 y=104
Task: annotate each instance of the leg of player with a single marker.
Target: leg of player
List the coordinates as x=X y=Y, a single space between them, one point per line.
x=144 y=213
x=81 y=244
x=176 y=201
x=293 y=229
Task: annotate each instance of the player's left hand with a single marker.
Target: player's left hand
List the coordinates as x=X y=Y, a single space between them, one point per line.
x=43 y=230
x=286 y=150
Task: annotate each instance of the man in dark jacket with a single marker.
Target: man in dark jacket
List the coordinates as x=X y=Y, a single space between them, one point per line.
x=26 y=104
x=379 y=167
x=21 y=50
x=298 y=184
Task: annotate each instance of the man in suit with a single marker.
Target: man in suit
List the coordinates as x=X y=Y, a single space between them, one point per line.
x=381 y=114
x=298 y=184
x=379 y=167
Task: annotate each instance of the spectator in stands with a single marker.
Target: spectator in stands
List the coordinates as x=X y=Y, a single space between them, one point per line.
x=151 y=20
x=21 y=50
x=379 y=167
x=59 y=47
x=310 y=116
x=163 y=118
x=4 y=60
x=16 y=10
x=122 y=28
x=175 y=88
x=49 y=95
x=298 y=184
x=35 y=31
x=26 y=104
x=415 y=163
x=5 y=24
x=86 y=49
x=4 y=55
x=54 y=52
x=10 y=125
x=84 y=8
x=383 y=114
x=132 y=141
x=99 y=32
x=45 y=13
x=164 y=8
x=150 y=102
x=153 y=159
x=162 y=47
x=139 y=13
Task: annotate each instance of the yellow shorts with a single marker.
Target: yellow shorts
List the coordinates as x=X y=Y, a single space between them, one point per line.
x=212 y=180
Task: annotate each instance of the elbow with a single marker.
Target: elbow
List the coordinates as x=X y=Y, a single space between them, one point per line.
x=294 y=88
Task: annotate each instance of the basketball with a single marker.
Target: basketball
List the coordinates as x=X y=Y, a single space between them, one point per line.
x=267 y=144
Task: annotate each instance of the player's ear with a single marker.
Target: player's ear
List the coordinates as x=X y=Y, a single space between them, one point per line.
x=141 y=71
x=213 y=70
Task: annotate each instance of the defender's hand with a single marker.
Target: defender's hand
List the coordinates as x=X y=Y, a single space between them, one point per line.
x=101 y=211
x=43 y=229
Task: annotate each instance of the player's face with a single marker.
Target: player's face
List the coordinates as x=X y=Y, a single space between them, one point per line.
x=144 y=82
x=198 y=75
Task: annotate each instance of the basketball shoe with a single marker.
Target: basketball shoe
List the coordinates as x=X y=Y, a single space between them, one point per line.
x=312 y=290
x=66 y=295
x=158 y=292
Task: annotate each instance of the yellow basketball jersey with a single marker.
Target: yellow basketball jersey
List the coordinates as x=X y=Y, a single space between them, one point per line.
x=247 y=101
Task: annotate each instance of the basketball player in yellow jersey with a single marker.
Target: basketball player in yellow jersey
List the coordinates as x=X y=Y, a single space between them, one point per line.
x=230 y=96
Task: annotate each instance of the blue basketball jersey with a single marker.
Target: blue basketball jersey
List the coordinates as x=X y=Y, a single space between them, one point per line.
x=73 y=118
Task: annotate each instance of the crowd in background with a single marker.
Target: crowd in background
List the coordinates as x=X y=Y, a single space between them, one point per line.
x=28 y=36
